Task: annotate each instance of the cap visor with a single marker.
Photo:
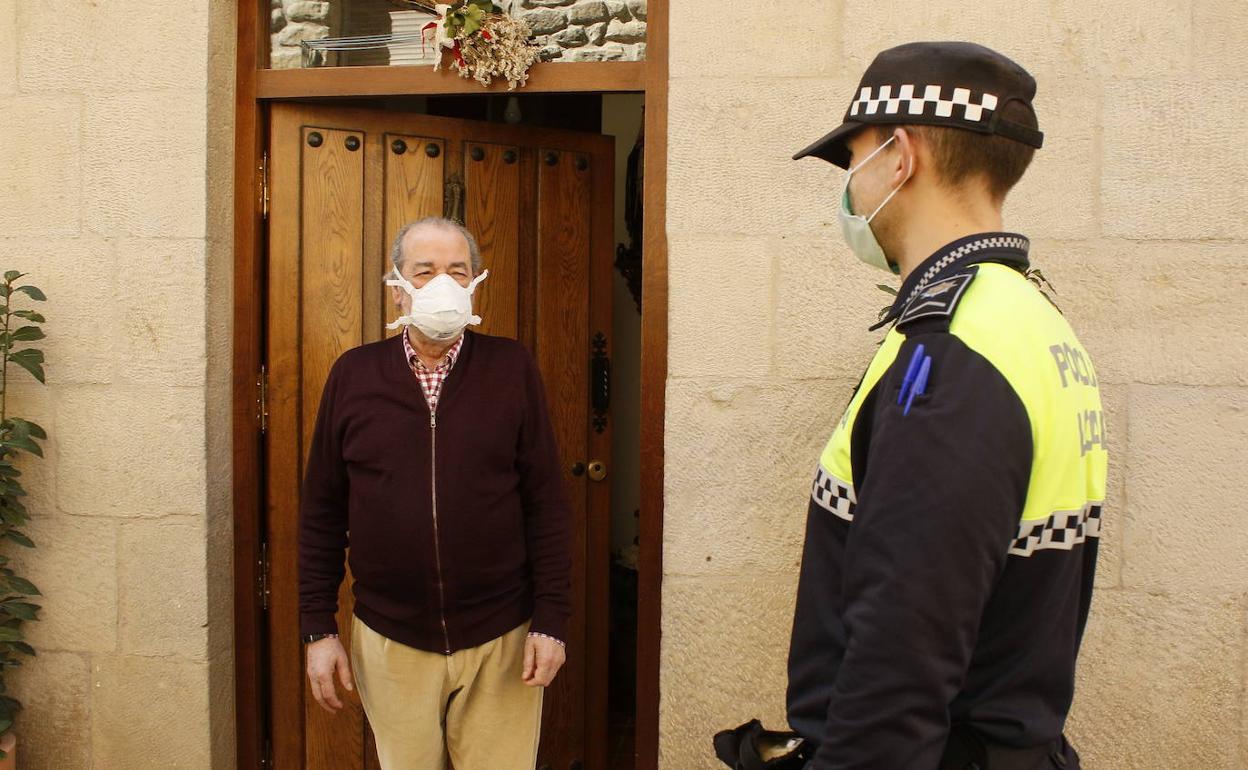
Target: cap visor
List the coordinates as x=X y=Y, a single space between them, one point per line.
x=831 y=147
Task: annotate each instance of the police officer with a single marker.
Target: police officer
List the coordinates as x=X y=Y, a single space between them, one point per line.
x=952 y=532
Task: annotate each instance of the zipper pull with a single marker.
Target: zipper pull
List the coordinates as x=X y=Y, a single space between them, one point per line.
x=433 y=419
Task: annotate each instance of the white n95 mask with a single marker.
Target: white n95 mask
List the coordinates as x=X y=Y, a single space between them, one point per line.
x=441 y=308
x=856 y=228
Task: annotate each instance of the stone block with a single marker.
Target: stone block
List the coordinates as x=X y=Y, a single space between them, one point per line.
x=285 y=58
x=545 y=3
x=8 y=49
x=166 y=277
x=1218 y=44
x=826 y=300
x=552 y=52
x=162 y=596
x=148 y=180
x=597 y=33
x=74 y=566
x=130 y=46
x=545 y=21
x=614 y=52
x=741 y=456
x=1066 y=38
x=636 y=8
x=277 y=20
x=730 y=144
x=589 y=12
x=583 y=54
x=40 y=181
x=1174 y=189
x=1059 y=195
x=572 y=37
x=306 y=10
x=1154 y=312
x=1186 y=448
x=55 y=724
x=739 y=272
x=626 y=31
x=296 y=32
x=78 y=276
x=131 y=452
x=1165 y=672
x=724 y=655
x=134 y=703
x=618 y=9
x=752 y=43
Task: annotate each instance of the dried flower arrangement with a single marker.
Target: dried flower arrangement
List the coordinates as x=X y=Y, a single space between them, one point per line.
x=485 y=42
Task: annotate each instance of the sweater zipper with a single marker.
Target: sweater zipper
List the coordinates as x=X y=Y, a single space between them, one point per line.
x=437 y=545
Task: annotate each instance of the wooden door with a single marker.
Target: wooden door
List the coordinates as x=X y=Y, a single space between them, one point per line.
x=342 y=183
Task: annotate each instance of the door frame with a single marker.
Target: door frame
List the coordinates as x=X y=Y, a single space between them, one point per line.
x=255 y=87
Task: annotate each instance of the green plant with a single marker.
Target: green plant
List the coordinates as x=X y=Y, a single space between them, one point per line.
x=18 y=329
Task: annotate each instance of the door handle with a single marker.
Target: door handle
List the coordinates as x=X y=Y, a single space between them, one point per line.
x=597 y=470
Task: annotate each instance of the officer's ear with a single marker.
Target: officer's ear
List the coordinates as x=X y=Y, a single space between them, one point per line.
x=905 y=159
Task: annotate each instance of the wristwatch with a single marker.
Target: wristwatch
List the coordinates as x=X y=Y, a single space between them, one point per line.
x=310 y=638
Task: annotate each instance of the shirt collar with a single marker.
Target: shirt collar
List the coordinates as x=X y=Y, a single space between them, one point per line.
x=1004 y=248
x=414 y=361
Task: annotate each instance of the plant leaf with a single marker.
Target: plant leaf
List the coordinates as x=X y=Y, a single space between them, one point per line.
x=30 y=315
x=20 y=538
x=23 y=443
x=886 y=289
x=10 y=634
x=10 y=277
x=23 y=586
x=28 y=334
x=32 y=292
x=31 y=360
x=23 y=648
x=30 y=428
x=23 y=610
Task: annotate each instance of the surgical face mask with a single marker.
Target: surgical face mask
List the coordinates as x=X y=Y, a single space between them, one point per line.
x=441 y=308
x=857 y=229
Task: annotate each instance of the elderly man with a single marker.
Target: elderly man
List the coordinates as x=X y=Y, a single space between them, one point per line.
x=433 y=457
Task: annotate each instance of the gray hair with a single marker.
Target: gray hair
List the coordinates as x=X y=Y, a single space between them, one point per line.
x=396 y=250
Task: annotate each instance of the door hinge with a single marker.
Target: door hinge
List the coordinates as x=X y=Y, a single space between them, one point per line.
x=262 y=398
x=263 y=579
x=263 y=174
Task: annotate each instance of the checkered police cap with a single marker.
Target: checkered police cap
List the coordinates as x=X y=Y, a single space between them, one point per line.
x=959 y=85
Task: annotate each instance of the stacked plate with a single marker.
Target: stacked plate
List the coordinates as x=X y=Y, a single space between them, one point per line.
x=406 y=44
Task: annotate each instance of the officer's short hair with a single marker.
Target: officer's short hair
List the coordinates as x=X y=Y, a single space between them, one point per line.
x=961 y=155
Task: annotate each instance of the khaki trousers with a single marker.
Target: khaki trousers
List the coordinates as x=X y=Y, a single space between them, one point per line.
x=424 y=706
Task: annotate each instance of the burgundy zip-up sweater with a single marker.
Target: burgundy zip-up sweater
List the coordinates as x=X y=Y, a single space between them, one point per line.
x=457 y=521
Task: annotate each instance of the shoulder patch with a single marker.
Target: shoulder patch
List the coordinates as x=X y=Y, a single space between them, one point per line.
x=938 y=299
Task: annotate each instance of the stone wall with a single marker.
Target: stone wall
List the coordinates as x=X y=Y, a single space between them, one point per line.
x=292 y=22
x=115 y=196
x=587 y=30
x=568 y=30
x=1139 y=220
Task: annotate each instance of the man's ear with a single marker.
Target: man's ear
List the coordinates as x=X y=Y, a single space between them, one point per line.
x=907 y=156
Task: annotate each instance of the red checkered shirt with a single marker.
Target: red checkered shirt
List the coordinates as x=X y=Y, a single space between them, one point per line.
x=431 y=383
x=431 y=379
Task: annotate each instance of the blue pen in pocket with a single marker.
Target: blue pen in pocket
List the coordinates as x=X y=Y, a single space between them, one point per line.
x=912 y=371
x=920 y=383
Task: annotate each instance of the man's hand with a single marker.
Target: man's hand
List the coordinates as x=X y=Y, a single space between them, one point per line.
x=326 y=656
x=543 y=658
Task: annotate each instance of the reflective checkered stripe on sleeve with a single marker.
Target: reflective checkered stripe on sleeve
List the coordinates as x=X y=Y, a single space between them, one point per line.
x=834 y=495
x=1062 y=531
